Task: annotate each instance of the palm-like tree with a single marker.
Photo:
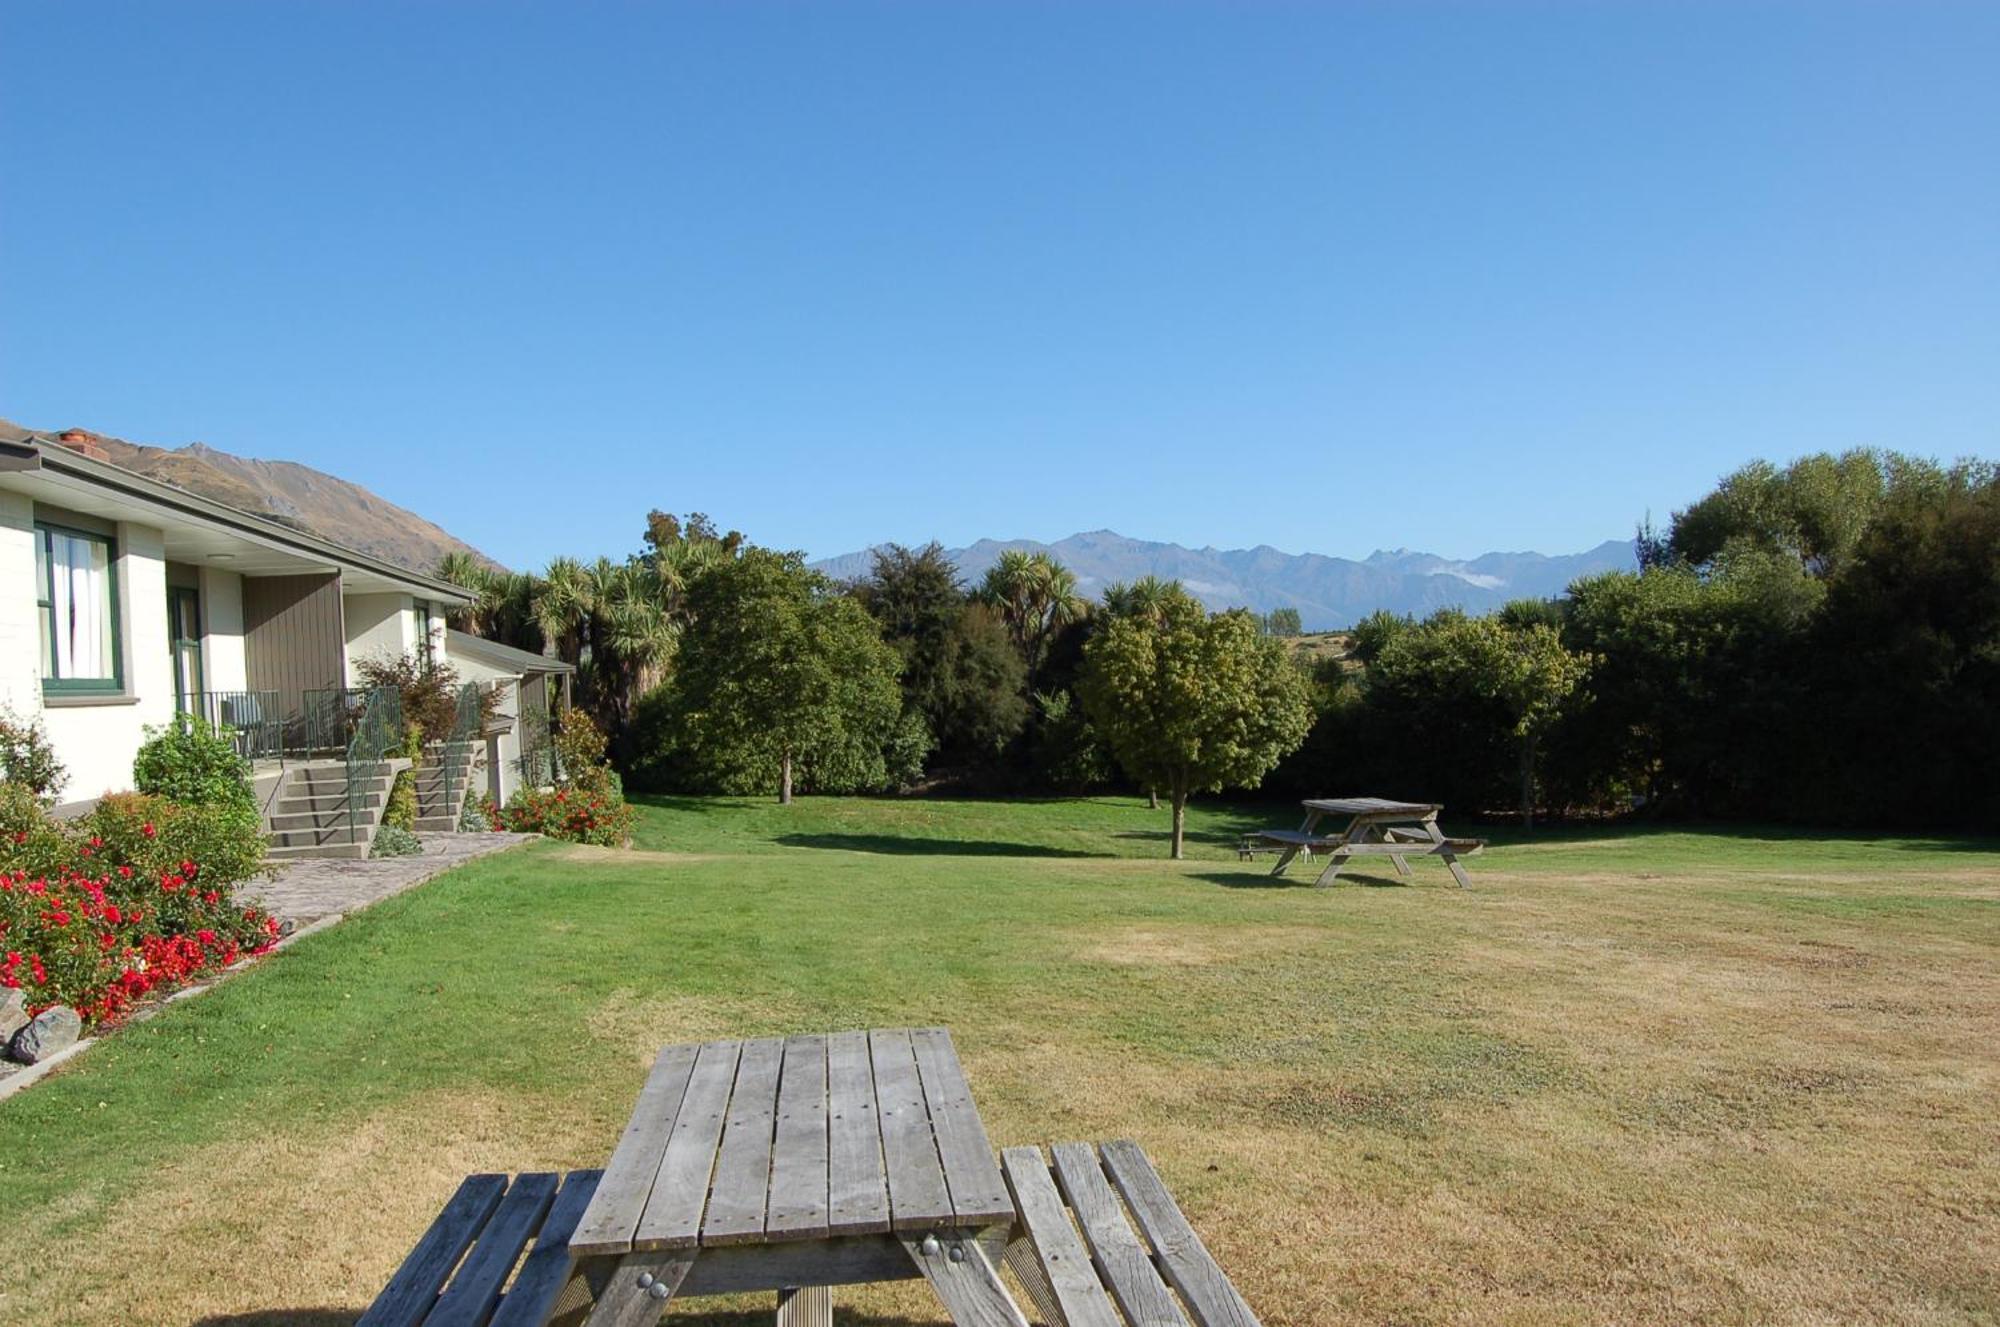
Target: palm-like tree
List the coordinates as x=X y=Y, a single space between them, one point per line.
x=1144 y=597
x=1035 y=596
x=467 y=572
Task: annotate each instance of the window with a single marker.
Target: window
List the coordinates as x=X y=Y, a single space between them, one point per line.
x=424 y=635
x=77 y=578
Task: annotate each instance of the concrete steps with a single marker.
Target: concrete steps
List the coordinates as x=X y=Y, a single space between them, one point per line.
x=318 y=813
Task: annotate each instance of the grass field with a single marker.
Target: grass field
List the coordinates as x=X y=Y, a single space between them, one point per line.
x=1637 y=1077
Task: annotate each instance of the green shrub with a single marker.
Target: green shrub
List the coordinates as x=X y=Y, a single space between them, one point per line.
x=573 y=815
x=32 y=841
x=401 y=810
x=154 y=835
x=395 y=841
x=191 y=762
x=27 y=759
x=477 y=816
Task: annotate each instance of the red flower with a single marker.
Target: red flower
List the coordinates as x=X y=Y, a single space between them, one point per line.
x=148 y=830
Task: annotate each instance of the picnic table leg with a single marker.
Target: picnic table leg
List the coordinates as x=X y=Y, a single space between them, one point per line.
x=1444 y=851
x=805 y=1306
x=1338 y=858
x=1290 y=851
x=1034 y=1278
x=640 y=1288
x=964 y=1279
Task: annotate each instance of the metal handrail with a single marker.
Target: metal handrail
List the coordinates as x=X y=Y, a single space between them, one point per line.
x=253 y=719
x=465 y=726
x=377 y=732
x=329 y=716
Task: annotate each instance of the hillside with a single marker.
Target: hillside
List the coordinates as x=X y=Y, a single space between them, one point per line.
x=1329 y=592
x=296 y=495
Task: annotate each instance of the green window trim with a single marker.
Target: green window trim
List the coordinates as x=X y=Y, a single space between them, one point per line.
x=55 y=685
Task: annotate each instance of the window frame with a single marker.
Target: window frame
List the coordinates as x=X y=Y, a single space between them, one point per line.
x=45 y=596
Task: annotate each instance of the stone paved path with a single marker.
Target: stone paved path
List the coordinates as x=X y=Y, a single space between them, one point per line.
x=305 y=891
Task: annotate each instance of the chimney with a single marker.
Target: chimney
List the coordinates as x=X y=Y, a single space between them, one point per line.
x=84 y=443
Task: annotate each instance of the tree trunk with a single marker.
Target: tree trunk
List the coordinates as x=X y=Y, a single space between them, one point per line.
x=1152 y=798
x=1180 y=820
x=1528 y=782
x=785 y=780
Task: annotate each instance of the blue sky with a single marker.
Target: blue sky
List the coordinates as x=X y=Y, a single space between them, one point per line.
x=1330 y=277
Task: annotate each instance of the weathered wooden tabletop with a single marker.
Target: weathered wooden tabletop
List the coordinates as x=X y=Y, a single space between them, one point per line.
x=802 y=1162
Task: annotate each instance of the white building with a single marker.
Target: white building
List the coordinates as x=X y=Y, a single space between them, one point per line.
x=124 y=600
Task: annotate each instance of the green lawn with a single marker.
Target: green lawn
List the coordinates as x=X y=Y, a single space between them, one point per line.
x=1634 y=1076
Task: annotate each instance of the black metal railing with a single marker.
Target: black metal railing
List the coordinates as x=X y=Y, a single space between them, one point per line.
x=255 y=720
x=538 y=750
x=465 y=726
x=377 y=732
x=328 y=717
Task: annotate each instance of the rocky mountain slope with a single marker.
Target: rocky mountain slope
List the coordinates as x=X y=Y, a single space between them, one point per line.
x=296 y=495
x=1329 y=592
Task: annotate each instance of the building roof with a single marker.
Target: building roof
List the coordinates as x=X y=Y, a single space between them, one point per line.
x=492 y=652
x=37 y=456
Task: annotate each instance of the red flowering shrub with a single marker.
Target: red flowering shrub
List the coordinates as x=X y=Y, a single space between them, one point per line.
x=114 y=920
x=571 y=814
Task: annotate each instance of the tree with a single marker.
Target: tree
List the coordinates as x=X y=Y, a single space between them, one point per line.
x=1142 y=598
x=1282 y=622
x=1521 y=675
x=778 y=673
x=1036 y=596
x=1815 y=510
x=1192 y=703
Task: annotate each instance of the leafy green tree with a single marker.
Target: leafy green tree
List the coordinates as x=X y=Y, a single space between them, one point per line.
x=962 y=676
x=1815 y=510
x=1190 y=702
x=1373 y=633
x=1282 y=622
x=779 y=674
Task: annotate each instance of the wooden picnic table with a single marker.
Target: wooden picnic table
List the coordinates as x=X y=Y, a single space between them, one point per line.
x=1376 y=827
x=797 y=1165
x=793 y=1166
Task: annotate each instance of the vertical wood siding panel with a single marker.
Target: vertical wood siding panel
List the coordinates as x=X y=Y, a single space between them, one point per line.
x=293 y=632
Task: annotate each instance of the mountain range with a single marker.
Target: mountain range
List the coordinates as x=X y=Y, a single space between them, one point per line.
x=284 y=491
x=1328 y=592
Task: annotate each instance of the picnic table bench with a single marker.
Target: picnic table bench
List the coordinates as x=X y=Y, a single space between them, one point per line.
x=798 y=1165
x=1376 y=827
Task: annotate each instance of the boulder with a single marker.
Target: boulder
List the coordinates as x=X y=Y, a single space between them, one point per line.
x=54 y=1029
x=13 y=1012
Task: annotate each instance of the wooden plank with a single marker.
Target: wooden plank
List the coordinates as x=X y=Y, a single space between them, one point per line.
x=1183 y=1257
x=1122 y=1261
x=799 y=1185
x=742 y=1187
x=672 y=1219
x=546 y=1269
x=412 y=1291
x=971 y=1175
x=473 y=1293
x=1369 y=806
x=1058 y=1250
x=918 y=1199
x=963 y=1277
x=809 y=1306
x=613 y=1216
x=857 y=1187
x=640 y=1287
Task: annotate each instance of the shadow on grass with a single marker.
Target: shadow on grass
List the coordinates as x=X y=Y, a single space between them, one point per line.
x=1302 y=880
x=901 y=846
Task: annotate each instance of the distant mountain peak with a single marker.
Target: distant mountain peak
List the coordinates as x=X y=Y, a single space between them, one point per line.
x=1328 y=592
